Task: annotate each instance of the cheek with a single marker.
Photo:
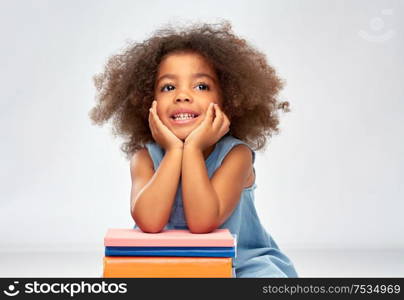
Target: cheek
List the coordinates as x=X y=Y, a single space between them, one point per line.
x=160 y=112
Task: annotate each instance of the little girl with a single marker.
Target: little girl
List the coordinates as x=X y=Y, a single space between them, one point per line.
x=194 y=105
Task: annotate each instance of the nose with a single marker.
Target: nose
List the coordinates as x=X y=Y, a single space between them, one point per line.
x=183 y=96
x=182 y=99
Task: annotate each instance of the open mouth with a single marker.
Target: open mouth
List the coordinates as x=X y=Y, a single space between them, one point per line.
x=183 y=118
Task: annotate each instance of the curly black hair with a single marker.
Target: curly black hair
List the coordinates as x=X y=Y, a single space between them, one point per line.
x=249 y=85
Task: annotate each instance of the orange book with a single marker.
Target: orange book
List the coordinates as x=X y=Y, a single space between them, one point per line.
x=167 y=267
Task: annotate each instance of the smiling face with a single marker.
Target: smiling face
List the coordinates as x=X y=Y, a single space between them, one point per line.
x=185 y=86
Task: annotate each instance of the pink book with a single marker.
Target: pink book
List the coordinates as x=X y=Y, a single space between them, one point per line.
x=168 y=238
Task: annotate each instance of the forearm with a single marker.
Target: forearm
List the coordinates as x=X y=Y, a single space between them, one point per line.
x=201 y=204
x=152 y=206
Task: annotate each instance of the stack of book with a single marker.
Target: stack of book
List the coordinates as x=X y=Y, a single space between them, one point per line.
x=170 y=253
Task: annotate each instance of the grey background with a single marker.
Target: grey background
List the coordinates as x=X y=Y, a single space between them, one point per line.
x=332 y=179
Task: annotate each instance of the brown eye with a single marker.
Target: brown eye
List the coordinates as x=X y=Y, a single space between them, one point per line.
x=203 y=86
x=169 y=87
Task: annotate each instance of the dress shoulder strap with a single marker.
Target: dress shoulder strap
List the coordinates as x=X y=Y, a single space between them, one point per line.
x=156 y=153
x=226 y=144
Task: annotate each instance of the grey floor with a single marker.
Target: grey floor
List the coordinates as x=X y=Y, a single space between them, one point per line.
x=309 y=263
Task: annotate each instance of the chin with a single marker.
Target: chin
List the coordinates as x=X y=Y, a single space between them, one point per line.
x=182 y=135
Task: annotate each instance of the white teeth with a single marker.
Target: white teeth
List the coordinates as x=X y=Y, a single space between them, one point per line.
x=184 y=116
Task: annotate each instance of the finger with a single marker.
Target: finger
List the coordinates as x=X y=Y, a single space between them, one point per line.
x=159 y=126
x=156 y=116
x=151 y=125
x=225 y=126
x=209 y=114
x=153 y=111
x=152 y=122
x=150 y=117
x=217 y=123
x=156 y=119
x=153 y=108
x=226 y=119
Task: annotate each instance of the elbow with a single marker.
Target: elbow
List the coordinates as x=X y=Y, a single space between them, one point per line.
x=202 y=228
x=147 y=226
x=151 y=229
x=202 y=224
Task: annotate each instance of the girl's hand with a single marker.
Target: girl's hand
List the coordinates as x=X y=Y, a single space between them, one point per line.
x=209 y=131
x=161 y=134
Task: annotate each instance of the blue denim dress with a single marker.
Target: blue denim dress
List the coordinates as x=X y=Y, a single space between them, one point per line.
x=257 y=253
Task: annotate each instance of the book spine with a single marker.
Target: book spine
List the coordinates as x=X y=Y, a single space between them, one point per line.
x=168 y=267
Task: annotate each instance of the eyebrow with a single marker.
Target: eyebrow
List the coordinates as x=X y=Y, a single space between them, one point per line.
x=195 y=75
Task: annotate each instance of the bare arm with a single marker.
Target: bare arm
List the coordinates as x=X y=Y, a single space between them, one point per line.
x=153 y=193
x=209 y=202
